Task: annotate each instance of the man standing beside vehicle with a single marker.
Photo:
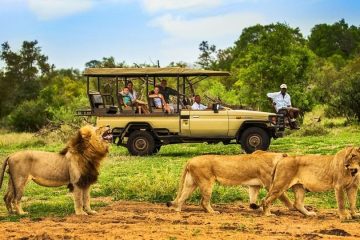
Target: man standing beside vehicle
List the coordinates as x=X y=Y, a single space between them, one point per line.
x=282 y=103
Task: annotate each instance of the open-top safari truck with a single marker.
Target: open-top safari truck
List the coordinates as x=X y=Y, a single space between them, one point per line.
x=144 y=133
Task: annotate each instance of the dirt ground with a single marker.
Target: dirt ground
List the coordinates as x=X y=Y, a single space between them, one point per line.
x=141 y=220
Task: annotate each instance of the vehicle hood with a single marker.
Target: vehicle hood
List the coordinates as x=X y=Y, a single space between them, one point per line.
x=247 y=114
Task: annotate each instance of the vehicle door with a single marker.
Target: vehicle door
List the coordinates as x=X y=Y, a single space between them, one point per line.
x=207 y=123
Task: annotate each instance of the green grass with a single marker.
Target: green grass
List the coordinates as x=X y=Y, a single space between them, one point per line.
x=155 y=178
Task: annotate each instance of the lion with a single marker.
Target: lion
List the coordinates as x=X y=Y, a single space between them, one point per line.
x=77 y=166
x=253 y=170
x=318 y=173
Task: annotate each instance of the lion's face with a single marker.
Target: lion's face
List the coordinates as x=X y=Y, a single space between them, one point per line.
x=352 y=160
x=98 y=137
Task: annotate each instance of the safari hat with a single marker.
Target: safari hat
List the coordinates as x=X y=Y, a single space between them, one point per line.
x=283 y=85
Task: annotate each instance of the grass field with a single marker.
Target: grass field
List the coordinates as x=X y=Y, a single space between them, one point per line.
x=155 y=178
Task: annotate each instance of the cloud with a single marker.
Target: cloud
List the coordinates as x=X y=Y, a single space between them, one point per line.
x=52 y=9
x=218 y=26
x=184 y=35
x=163 y=5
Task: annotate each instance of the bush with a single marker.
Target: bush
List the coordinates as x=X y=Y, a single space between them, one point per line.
x=29 y=116
x=312 y=130
x=349 y=99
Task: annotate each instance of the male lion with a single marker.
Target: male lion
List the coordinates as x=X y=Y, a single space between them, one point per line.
x=76 y=166
x=318 y=173
x=253 y=170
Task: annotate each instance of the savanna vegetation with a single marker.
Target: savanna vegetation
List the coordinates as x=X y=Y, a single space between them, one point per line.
x=125 y=177
x=321 y=69
x=322 y=72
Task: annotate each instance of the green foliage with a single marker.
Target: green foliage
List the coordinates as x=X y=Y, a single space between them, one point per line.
x=125 y=177
x=312 y=130
x=348 y=100
x=340 y=39
x=23 y=75
x=267 y=56
x=207 y=52
x=106 y=62
x=30 y=115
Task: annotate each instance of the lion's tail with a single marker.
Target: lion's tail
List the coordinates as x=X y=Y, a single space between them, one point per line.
x=181 y=185
x=5 y=163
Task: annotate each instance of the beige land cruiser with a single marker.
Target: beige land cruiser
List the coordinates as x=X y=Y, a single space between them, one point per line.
x=144 y=132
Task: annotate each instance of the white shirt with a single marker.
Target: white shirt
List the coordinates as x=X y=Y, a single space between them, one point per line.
x=280 y=100
x=198 y=106
x=132 y=95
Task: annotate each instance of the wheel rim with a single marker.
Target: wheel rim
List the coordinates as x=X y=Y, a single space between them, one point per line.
x=140 y=144
x=254 y=141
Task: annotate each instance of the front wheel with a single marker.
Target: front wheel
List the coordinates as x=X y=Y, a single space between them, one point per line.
x=255 y=138
x=141 y=143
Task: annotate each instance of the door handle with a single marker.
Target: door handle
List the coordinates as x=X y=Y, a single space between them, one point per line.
x=195 y=116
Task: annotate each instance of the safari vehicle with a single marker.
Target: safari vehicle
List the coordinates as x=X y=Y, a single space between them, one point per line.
x=144 y=134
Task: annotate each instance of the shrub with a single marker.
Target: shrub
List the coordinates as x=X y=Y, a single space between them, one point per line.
x=312 y=130
x=28 y=116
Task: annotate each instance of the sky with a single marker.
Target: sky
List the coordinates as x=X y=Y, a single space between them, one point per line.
x=73 y=32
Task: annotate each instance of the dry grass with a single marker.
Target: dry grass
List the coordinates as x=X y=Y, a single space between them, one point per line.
x=8 y=139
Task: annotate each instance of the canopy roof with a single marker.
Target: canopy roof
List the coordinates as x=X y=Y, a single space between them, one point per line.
x=143 y=72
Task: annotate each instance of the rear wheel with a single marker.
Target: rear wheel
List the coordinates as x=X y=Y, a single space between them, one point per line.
x=141 y=143
x=255 y=138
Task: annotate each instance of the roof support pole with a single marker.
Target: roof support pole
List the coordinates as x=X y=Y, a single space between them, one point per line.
x=98 y=84
x=147 y=92
x=178 y=94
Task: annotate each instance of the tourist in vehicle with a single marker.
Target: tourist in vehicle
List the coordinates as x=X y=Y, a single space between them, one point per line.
x=197 y=104
x=166 y=91
x=282 y=103
x=126 y=98
x=132 y=92
x=140 y=105
x=159 y=100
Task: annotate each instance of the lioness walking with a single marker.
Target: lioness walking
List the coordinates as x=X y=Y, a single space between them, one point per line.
x=317 y=174
x=253 y=170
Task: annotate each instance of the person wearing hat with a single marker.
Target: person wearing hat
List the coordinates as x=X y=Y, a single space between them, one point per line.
x=282 y=103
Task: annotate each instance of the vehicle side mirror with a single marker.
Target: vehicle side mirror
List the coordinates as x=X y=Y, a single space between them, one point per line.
x=216 y=107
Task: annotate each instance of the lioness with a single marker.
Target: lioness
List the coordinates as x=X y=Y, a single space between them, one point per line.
x=318 y=173
x=76 y=166
x=253 y=170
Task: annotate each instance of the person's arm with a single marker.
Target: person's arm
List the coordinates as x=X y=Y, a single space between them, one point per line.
x=153 y=95
x=289 y=101
x=271 y=95
x=193 y=107
x=203 y=107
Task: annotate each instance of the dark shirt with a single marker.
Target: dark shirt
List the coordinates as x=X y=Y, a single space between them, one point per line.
x=167 y=92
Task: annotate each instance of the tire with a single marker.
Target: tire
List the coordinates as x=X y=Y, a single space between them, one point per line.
x=255 y=138
x=141 y=143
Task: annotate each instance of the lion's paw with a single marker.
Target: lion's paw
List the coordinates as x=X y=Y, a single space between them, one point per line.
x=81 y=213
x=311 y=214
x=214 y=212
x=269 y=214
x=22 y=213
x=91 y=212
x=345 y=216
x=355 y=215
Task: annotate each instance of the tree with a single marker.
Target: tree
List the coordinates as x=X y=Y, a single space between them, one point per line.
x=24 y=74
x=265 y=57
x=206 y=57
x=106 y=62
x=326 y=40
